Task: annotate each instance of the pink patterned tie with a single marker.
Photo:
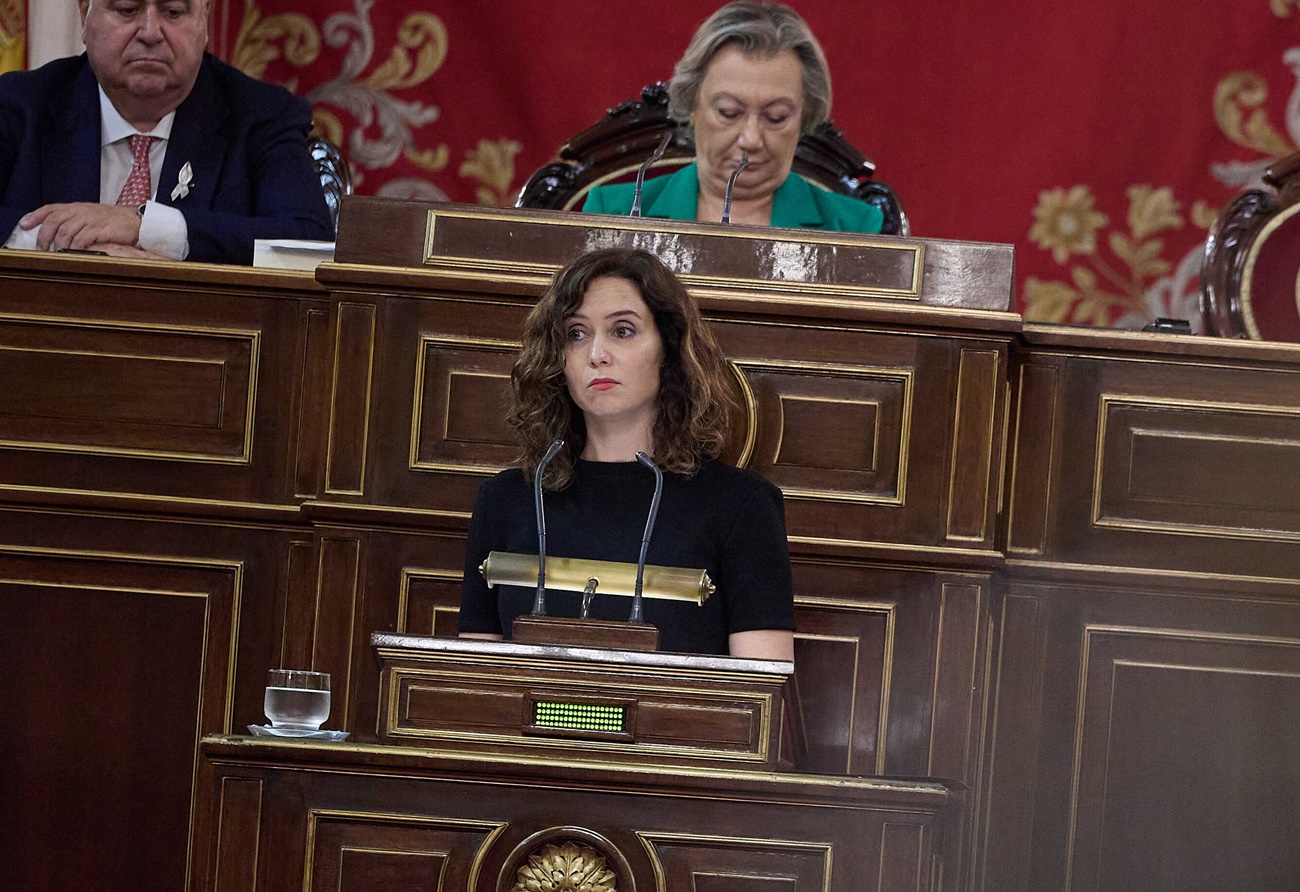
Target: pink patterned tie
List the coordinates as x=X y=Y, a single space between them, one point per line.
x=137 y=189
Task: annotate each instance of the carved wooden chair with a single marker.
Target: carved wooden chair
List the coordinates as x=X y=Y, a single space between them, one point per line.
x=1250 y=275
x=334 y=171
x=614 y=147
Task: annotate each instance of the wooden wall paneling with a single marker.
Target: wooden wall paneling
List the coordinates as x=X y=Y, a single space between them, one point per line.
x=429 y=599
x=141 y=387
x=857 y=426
x=1150 y=770
x=317 y=347
x=1019 y=657
x=439 y=409
x=1165 y=461
x=958 y=692
x=1165 y=753
x=974 y=478
x=296 y=627
x=239 y=819
x=728 y=864
x=356 y=851
x=890 y=665
x=351 y=392
x=851 y=642
x=340 y=589
x=378 y=580
x=122 y=642
x=1035 y=453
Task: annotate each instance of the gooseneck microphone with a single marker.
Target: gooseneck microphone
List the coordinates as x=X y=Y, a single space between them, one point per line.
x=731 y=186
x=645 y=166
x=646 y=460
x=539 y=602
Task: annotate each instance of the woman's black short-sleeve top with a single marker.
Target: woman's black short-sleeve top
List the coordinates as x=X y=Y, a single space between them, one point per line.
x=728 y=521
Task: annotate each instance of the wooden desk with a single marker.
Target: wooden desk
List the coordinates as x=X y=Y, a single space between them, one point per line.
x=295 y=816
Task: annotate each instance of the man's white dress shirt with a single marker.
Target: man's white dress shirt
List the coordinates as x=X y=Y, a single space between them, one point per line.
x=162 y=228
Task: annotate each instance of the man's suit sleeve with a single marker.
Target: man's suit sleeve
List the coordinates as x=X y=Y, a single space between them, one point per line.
x=286 y=201
x=11 y=135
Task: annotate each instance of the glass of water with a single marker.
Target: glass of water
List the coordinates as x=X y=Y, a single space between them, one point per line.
x=297 y=700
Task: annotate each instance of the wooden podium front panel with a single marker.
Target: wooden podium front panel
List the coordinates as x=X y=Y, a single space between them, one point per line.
x=1179 y=461
x=890 y=665
x=123 y=640
x=138 y=381
x=874 y=436
x=413 y=818
x=1147 y=655
x=1145 y=734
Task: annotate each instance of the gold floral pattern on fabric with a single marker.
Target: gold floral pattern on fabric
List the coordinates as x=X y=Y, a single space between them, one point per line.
x=356 y=110
x=1133 y=282
x=423 y=33
x=13 y=30
x=327 y=124
x=1065 y=222
x=1239 y=112
x=432 y=160
x=566 y=867
x=1282 y=8
x=262 y=41
x=493 y=165
x=1127 y=278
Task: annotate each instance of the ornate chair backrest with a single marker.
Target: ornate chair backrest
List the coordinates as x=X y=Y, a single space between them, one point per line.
x=615 y=146
x=1250 y=274
x=334 y=172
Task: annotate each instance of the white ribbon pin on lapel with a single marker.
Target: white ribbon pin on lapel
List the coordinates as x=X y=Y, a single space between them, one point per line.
x=183 y=182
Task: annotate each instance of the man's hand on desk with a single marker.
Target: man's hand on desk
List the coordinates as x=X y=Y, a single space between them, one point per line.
x=83 y=226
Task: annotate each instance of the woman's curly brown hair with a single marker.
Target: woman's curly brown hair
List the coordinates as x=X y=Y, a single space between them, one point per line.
x=694 y=397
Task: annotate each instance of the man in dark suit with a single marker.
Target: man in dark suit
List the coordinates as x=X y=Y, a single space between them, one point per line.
x=147 y=146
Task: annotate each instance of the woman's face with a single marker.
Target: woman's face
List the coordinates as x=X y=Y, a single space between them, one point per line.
x=748 y=105
x=612 y=355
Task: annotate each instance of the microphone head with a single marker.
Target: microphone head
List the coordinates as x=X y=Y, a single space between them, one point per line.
x=646 y=460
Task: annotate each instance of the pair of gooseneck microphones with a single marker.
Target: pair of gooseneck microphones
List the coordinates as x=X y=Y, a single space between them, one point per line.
x=659 y=153
x=539 y=602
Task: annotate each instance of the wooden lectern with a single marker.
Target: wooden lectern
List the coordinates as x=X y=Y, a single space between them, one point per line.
x=619 y=706
x=665 y=771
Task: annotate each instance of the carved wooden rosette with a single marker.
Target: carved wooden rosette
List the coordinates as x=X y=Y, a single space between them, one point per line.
x=565 y=867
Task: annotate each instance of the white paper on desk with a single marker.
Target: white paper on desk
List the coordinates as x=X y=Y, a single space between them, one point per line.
x=291 y=253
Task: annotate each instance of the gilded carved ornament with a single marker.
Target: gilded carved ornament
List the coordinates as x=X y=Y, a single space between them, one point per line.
x=565 y=867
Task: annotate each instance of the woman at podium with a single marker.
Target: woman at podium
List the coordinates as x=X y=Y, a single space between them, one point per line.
x=616 y=360
x=752 y=81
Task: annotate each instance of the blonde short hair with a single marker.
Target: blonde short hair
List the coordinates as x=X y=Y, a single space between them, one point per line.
x=756 y=29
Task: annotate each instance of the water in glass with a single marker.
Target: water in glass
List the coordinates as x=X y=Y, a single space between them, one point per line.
x=297 y=708
x=297 y=699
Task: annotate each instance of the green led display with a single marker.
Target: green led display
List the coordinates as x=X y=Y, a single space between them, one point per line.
x=579 y=716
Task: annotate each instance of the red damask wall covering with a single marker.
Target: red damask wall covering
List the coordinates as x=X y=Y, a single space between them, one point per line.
x=1099 y=138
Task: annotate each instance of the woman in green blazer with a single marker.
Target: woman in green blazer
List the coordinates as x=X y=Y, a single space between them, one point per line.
x=752 y=81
